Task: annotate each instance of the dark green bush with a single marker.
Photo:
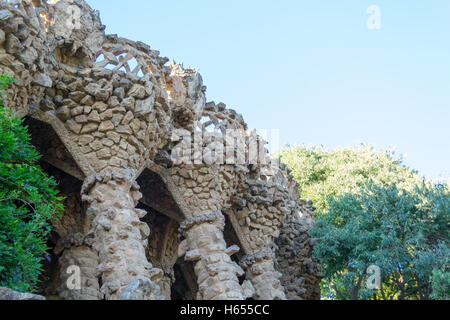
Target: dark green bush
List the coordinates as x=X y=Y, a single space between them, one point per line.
x=28 y=202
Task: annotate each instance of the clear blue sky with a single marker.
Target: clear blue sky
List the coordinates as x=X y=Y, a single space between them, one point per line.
x=312 y=68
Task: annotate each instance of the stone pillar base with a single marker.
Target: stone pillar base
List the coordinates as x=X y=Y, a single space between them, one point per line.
x=79 y=277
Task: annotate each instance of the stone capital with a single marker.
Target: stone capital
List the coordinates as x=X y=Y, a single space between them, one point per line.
x=71 y=240
x=266 y=254
x=117 y=180
x=215 y=218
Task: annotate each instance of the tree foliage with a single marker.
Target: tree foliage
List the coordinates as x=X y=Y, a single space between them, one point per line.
x=372 y=210
x=28 y=202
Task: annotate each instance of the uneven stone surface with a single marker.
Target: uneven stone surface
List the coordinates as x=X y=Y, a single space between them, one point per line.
x=77 y=253
x=8 y=294
x=117 y=233
x=264 y=277
x=107 y=112
x=217 y=274
x=142 y=290
x=301 y=273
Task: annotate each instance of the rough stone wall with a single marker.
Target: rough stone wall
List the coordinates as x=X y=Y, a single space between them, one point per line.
x=105 y=110
x=301 y=273
x=260 y=211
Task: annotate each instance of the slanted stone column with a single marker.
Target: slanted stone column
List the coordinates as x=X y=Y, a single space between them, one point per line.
x=301 y=272
x=261 y=272
x=118 y=235
x=217 y=274
x=260 y=207
x=204 y=190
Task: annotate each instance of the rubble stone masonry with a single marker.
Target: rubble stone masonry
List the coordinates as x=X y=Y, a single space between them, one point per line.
x=105 y=112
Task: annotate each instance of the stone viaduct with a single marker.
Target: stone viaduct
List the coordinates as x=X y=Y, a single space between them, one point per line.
x=104 y=111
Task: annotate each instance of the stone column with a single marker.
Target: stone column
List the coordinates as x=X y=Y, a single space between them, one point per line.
x=260 y=270
x=118 y=235
x=78 y=259
x=301 y=273
x=217 y=274
x=260 y=208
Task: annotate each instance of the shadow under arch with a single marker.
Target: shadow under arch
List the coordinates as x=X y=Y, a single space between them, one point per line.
x=185 y=286
x=157 y=196
x=57 y=162
x=52 y=149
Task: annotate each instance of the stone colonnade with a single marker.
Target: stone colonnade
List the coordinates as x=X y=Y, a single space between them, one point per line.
x=115 y=104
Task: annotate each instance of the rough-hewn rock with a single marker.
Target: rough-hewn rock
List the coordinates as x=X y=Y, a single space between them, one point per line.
x=301 y=273
x=109 y=110
x=142 y=290
x=8 y=294
x=217 y=274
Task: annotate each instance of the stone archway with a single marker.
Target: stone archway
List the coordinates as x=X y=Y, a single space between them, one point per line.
x=156 y=195
x=58 y=163
x=163 y=218
x=105 y=125
x=52 y=149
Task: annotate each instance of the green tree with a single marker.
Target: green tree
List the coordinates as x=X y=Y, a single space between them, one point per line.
x=372 y=210
x=28 y=203
x=324 y=174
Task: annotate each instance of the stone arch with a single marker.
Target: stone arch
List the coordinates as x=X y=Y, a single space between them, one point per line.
x=113 y=127
x=164 y=218
x=232 y=238
x=73 y=222
x=159 y=194
x=52 y=149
